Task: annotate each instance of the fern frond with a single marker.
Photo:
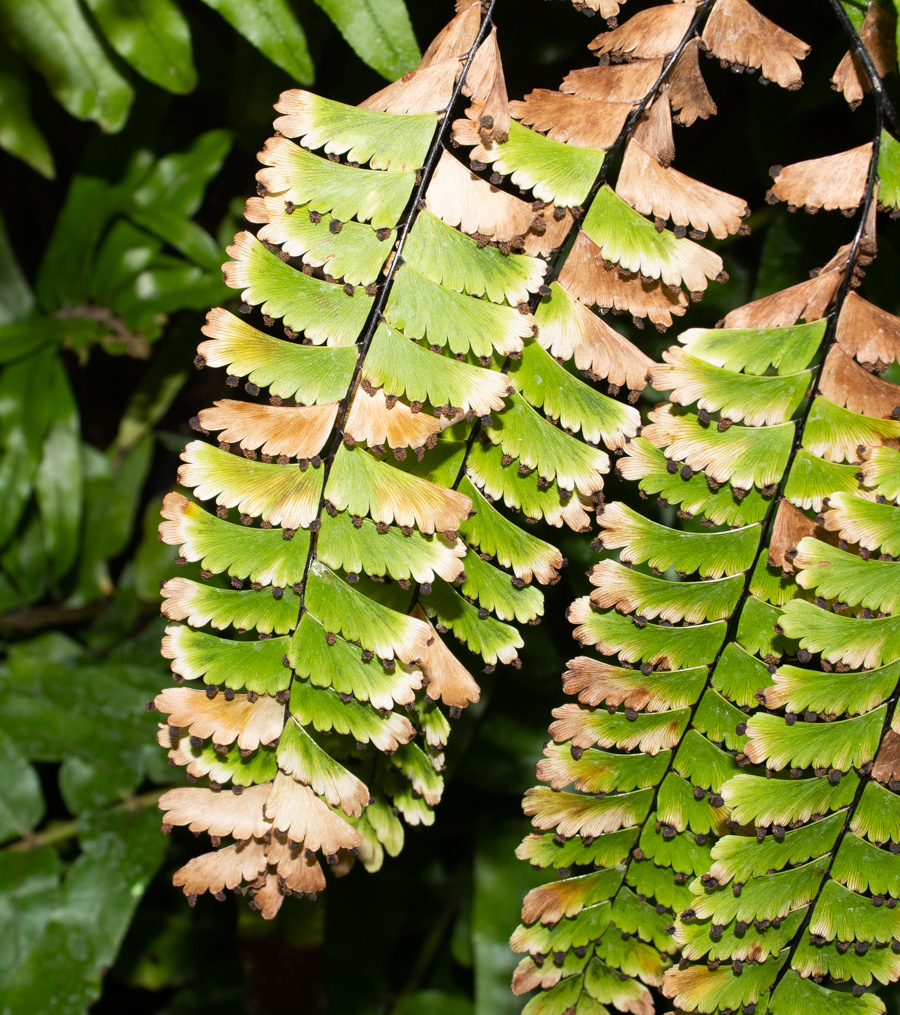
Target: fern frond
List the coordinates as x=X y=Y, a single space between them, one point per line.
x=411 y=392
x=648 y=770
x=774 y=884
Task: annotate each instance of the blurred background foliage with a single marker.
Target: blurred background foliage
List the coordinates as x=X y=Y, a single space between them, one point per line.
x=128 y=130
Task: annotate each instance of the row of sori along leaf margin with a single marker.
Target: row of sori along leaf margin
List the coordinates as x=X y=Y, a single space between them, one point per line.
x=770 y=642
x=421 y=377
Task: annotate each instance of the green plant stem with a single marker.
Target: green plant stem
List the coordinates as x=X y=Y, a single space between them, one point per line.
x=60 y=831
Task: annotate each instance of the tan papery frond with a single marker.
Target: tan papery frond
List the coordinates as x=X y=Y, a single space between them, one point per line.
x=653 y=132
x=222 y=869
x=374 y=421
x=594 y=281
x=574 y=119
x=791 y=525
x=292 y=432
x=688 y=94
x=218 y=812
x=486 y=84
x=740 y=36
x=867 y=332
x=654 y=189
x=297 y=812
x=628 y=82
x=651 y=33
x=878 y=34
x=447 y=680
x=241 y=719
x=808 y=301
x=835 y=181
x=596 y=347
x=845 y=382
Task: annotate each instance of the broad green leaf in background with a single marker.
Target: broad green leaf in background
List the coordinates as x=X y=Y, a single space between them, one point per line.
x=112 y=498
x=19 y=135
x=153 y=36
x=270 y=26
x=54 y=36
x=29 y=883
x=25 y=419
x=62 y=940
x=379 y=31
x=172 y=192
x=856 y=11
x=17 y=299
x=89 y=717
x=63 y=276
x=57 y=482
x=176 y=183
x=897 y=7
x=21 y=799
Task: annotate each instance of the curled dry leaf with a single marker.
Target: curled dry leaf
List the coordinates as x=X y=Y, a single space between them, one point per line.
x=267 y=897
x=295 y=432
x=740 y=36
x=791 y=525
x=688 y=93
x=867 y=332
x=845 y=382
x=574 y=119
x=654 y=189
x=654 y=32
x=591 y=279
x=835 y=181
x=878 y=34
x=605 y=8
x=486 y=84
x=301 y=873
x=653 y=131
x=887 y=762
x=250 y=723
x=446 y=678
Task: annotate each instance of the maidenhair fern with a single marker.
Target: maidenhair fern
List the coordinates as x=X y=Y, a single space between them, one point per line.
x=396 y=309
x=735 y=753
